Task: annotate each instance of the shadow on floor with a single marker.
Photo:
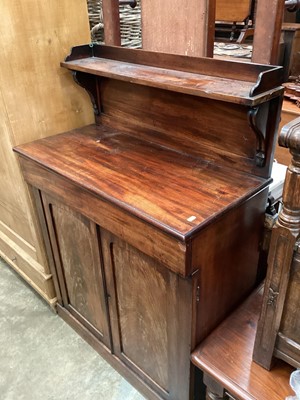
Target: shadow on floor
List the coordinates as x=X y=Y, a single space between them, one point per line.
x=42 y=358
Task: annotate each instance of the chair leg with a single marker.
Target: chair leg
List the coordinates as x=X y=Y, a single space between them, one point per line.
x=244 y=34
x=214 y=391
x=213 y=396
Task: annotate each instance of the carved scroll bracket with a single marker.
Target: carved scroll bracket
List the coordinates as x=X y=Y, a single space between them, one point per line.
x=91 y=84
x=260 y=157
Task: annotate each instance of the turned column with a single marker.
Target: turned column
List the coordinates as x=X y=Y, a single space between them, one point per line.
x=282 y=248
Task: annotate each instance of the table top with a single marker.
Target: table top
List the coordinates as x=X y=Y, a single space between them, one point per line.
x=226 y=355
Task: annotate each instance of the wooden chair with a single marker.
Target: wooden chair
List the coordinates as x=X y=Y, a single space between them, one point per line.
x=235 y=16
x=278 y=332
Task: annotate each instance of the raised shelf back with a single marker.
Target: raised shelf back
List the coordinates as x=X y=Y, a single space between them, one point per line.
x=231 y=110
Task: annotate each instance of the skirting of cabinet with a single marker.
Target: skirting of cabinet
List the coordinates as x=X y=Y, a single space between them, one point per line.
x=106 y=354
x=28 y=268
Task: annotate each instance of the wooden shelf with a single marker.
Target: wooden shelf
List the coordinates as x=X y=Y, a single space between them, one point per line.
x=172 y=190
x=215 y=79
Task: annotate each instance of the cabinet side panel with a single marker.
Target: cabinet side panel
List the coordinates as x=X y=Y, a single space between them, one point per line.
x=226 y=255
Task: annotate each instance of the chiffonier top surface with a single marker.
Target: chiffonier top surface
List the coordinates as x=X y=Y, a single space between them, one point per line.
x=172 y=190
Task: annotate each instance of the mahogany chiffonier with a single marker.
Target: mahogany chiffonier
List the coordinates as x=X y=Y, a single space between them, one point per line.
x=153 y=217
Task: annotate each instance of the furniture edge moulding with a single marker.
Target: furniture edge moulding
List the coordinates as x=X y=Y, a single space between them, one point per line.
x=283 y=254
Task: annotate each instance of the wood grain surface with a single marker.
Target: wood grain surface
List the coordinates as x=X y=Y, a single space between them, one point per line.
x=235 y=70
x=150 y=310
x=174 y=191
x=226 y=356
x=111 y=21
x=35 y=97
x=171 y=252
x=233 y=10
x=236 y=236
x=78 y=263
x=187 y=124
x=268 y=21
x=235 y=91
x=173 y=26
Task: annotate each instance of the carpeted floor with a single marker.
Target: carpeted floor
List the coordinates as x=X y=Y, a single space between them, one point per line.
x=42 y=358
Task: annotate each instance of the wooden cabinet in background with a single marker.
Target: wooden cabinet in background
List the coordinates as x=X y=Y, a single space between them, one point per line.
x=291 y=37
x=288 y=113
x=153 y=216
x=37 y=99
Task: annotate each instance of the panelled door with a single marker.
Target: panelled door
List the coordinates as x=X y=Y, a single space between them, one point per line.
x=76 y=251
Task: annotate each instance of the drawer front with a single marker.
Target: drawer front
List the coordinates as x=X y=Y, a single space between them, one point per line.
x=171 y=252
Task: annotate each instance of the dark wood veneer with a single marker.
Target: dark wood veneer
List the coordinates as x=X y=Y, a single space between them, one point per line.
x=230 y=85
x=153 y=217
x=150 y=181
x=264 y=77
